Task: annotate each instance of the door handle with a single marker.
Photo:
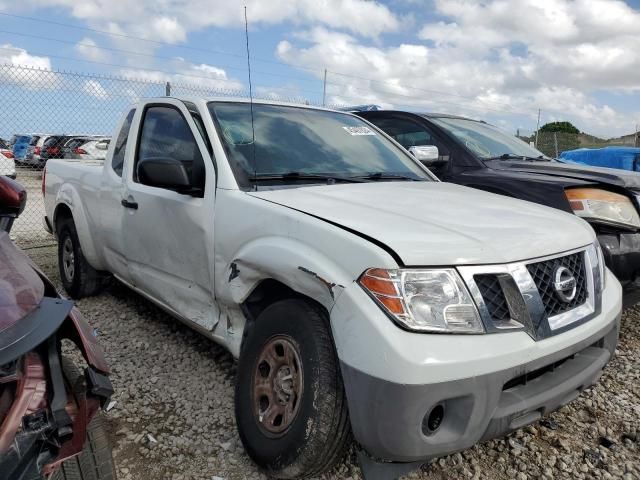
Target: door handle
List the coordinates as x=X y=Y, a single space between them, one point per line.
x=128 y=204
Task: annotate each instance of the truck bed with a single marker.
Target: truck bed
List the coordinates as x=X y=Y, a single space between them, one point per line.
x=67 y=177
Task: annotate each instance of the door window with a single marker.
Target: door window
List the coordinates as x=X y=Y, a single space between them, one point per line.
x=166 y=134
x=117 y=161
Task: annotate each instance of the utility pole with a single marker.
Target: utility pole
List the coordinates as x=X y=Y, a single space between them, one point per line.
x=555 y=142
x=635 y=140
x=324 y=88
x=537 y=128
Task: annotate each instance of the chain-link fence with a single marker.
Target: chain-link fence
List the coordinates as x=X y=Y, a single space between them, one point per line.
x=56 y=114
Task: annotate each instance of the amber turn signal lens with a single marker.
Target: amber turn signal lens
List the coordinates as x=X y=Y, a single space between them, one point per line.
x=594 y=194
x=378 y=282
x=374 y=280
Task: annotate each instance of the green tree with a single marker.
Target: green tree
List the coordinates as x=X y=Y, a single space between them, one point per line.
x=556 y=137
x=562 y=127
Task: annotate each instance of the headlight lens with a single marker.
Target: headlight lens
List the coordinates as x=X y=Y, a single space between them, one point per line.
x=601 y=205
x=426 y=300
x=596 y=259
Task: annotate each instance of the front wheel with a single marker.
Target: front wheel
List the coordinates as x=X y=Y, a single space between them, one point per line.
x=290 y=403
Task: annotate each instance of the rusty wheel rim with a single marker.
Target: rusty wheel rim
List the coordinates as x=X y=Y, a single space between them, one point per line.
x=277 y=386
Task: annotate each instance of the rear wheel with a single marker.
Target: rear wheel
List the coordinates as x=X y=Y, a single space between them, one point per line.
x=291 y=408
x=78 y=277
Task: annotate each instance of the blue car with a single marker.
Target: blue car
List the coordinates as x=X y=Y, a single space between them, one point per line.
x=624 y=158
x=20 y=144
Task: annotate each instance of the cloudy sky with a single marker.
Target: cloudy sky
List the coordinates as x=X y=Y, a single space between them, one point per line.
x=499 y=60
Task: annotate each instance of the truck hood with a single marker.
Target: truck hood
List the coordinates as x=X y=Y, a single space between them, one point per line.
x=610 y=176
x=433 y=223
x=21 y=288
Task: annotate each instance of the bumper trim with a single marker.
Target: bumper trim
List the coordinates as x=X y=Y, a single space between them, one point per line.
x=387 y=417
x=622 y=255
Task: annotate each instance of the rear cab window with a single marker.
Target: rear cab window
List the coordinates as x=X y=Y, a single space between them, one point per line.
x=117 y=160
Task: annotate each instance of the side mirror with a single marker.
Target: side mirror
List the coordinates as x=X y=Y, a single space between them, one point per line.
x=168 y=173
x=102 y=145
x=427 y=154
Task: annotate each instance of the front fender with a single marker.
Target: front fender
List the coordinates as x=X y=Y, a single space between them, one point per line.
x=68 y=197
x=287 y=260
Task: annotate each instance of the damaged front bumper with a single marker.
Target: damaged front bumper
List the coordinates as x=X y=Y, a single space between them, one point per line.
x=622 y=256
x=414 y=397
x=409 y=423
x=43 y=418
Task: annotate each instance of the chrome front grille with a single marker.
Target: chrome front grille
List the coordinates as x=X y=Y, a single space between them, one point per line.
x=493 y=296
x=543 y=273
x=533 y=296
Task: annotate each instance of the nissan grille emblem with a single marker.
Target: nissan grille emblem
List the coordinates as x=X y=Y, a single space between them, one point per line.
x=564 y=283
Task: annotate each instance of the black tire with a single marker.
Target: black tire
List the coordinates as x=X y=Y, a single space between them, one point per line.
x=82 y=280
x=95 y=462
x=319 y=434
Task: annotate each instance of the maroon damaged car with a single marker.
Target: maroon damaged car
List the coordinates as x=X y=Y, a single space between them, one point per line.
x=50 y=424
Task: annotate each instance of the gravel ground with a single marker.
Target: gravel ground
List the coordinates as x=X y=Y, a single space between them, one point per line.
x=174 y=413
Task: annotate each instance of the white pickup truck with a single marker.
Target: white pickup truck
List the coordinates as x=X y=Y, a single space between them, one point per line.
x=359 y=294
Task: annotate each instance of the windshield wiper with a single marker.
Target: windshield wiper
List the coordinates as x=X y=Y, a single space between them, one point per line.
x=386 y=176
x=293 y=176
x=513 y=156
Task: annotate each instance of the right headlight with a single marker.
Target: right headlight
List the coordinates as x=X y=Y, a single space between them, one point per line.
x=596 y=258
x=603 y=206
x=425 y=300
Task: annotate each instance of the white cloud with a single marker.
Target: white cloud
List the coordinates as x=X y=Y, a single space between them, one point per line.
x=88 y=48
x=168 y=30
x=200 y=78
x=19 y=56
x=26 y=77
x=171 y=19
x=95 y=89
x=498 y=57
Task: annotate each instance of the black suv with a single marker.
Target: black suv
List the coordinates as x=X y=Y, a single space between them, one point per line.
x=476 y=154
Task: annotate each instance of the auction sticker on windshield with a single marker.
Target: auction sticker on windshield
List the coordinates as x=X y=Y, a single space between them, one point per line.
x=359 y=130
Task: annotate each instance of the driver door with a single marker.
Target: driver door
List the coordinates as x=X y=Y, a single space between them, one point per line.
x=168 y=236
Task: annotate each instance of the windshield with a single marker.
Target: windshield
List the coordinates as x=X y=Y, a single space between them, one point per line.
x=486 y=141
x=306 y=141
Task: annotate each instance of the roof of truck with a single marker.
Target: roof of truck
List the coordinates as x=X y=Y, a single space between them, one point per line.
x=258 y=101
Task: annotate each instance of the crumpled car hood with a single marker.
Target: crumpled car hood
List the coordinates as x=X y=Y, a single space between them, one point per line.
x=21 y=288
x=434 y=223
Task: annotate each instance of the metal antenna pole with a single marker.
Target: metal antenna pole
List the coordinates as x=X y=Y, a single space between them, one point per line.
x=537 y=128
x=253 y=130
x=324 y=88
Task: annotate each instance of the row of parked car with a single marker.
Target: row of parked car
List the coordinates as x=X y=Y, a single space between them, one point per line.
x=35 y=149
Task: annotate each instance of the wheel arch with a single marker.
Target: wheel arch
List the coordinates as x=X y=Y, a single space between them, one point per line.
x=69 y=206
x=280 y=267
